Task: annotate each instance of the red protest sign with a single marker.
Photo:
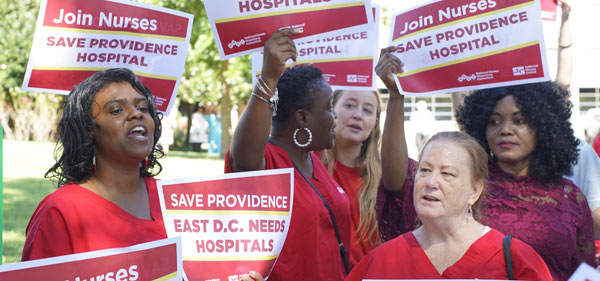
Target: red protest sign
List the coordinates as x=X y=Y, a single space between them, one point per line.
x=229 y=224
x=447 y=46
x=75 y=39
x=157 y=260
x=241 y=27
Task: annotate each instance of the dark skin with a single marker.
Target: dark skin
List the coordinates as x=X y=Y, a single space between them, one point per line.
x=252 y=133
x=117 y=109
x=394 y=154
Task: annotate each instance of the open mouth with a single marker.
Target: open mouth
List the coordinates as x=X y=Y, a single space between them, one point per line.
x=138 y=131
x=430 y=198
x=355 y=127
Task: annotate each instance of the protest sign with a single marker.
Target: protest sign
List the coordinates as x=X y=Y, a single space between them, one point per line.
x=229 y=224
x=549 y=9
x=455 y=45
x=347 y=60
x=156 y=260
x=75 y=39
x=585 y=272
x=241 y=27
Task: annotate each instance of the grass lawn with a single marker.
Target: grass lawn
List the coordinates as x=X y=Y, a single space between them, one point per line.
x=24 y=165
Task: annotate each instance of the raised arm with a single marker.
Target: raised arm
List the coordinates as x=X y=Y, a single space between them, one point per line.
x=252 y=132
x=565 y=49
x=394 y=155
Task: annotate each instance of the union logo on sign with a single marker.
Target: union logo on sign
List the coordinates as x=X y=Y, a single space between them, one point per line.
x=518 y=71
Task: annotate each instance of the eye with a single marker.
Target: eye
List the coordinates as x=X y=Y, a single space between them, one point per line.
x=143 y=109
x=115 y=111
x=447 y=174
x=349 y=105
x=368 y=111
x=424 y=170
x=494 y=121
x=520 y=121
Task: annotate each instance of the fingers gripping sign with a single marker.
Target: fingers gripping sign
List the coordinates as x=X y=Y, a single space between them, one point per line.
x=387 y=66
x=278 y=49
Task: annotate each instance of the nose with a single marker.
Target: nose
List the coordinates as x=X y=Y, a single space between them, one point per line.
x=506 y=128
x=432 y=180
x=135 y=113
x=357 y=114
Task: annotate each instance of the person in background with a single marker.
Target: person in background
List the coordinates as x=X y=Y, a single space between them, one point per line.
x=422 y=121
x=198 y=129
x=355 y=163
x=289 y=116
x=168 y=123
x=355 y=160
x=449 y=186
x=526 y=132
x=585 y=171
x=214 y=129
x=107 y=160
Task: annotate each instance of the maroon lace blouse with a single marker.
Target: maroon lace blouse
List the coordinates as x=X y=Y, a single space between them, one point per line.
x=553 y=217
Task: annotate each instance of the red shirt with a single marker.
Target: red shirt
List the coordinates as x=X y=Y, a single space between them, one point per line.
x=311 y=249
x=596 y=144
x=74 y=219
x=403 y=258
x=350 y=180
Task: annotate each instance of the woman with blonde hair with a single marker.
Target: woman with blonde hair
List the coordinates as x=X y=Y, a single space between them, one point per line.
x=355 y=163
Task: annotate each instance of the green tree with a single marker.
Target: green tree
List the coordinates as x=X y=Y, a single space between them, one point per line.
x=23 y=115
x=206 y=77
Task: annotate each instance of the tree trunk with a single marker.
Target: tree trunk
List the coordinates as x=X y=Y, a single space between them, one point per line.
x=225 y=111
x=189 y=110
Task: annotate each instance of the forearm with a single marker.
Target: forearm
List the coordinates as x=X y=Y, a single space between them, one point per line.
x=596 y=219
x=394 y=154
x=565 y=51
x=251 y=135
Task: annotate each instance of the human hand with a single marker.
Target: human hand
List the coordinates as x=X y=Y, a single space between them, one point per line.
x=565 y=5
x=278 y=49
x=387 y=66
x=253 y=276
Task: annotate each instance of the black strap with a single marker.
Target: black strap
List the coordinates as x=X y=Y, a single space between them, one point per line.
x=507 y=256
x=337 y=232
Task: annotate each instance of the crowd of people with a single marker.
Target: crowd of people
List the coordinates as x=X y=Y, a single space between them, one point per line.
x=362 y=208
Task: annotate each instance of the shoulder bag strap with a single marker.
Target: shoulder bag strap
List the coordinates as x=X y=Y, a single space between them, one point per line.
x=507 y=256
x=337 y=232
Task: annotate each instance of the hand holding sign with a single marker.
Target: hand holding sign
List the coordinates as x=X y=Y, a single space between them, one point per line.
x=387 y=66
x=278 y=49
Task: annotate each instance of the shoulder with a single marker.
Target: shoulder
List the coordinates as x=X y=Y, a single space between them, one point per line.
x=527 y=263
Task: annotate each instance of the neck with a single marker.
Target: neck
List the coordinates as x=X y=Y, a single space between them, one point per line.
x=298 y=155
x=448 y=231
x=117 y=177
x=520 y=168
x=347 y=153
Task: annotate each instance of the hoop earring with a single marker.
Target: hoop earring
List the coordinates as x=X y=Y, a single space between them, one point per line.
x=307 y=142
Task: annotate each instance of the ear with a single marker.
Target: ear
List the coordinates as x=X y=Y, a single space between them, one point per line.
x=301 y=117
x=477 y=191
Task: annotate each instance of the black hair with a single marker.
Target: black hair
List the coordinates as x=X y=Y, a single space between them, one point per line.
x=76 y=144
x=294 y=87
x=547 y=110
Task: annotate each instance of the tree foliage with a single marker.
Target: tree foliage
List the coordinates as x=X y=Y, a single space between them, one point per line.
x=206 y=79
x=23 y=115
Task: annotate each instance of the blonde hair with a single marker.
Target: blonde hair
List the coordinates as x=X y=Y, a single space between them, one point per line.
x=478 y=156
x=370 y=173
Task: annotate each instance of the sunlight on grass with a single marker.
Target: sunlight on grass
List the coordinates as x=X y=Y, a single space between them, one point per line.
x=25 y=164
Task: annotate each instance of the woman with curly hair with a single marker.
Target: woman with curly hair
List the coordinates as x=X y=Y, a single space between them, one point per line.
x=107 y=196
x=525 y=129
x=527 y=133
